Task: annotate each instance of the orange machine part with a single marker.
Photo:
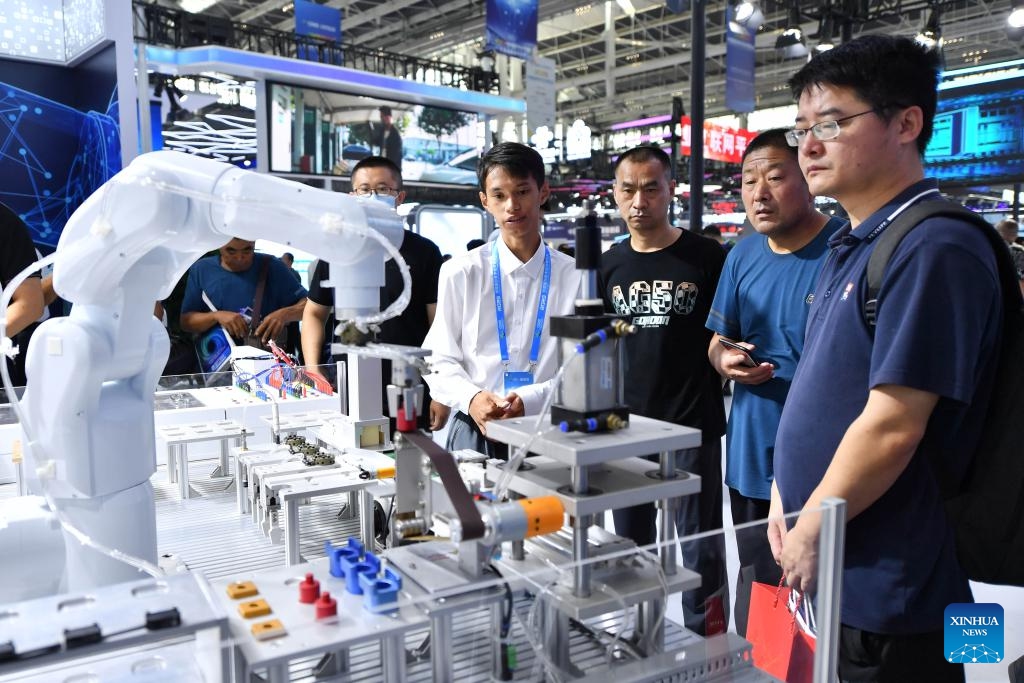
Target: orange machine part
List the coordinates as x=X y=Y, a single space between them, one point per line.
x=544 y=515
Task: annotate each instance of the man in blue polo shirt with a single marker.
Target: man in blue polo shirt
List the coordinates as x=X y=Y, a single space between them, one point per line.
x=762 y=301
x=869 y=409
x=222 y=289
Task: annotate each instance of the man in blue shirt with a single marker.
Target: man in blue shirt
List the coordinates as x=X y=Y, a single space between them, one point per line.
x=762 y=301
x=870 y=408
x=229 y=282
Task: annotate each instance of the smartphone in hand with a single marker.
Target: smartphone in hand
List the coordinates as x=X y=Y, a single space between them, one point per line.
x=748 y=360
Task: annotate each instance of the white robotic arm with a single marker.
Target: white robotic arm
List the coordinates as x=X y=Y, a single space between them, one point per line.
x=87 y=411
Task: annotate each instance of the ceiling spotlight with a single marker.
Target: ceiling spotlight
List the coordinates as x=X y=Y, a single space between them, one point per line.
x=196 y=6
x=748 y=15
x=826 y=29
x=791 y=41
x=1015 y=21
x=486 y=59
x=931 y=35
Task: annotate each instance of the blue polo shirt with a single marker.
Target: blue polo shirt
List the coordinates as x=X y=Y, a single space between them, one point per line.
x=939 y=323
x=763 y=298
x=230 y=291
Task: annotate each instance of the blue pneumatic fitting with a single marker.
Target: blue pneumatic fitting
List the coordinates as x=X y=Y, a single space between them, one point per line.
x=370 y=565
x=352 y=552
x=593 y=340
x=380 y=593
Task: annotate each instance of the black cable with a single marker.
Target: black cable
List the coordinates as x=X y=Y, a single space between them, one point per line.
x=506 y=627
x=602 y=638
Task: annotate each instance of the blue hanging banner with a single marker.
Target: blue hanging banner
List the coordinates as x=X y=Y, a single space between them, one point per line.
x=739 y=64
x=512 y=27
x=317 y=21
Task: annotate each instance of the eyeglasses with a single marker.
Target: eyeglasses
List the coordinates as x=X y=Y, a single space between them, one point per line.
x=823 y=130
x=380 y=189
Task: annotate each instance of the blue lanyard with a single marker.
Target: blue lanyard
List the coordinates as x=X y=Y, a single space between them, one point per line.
x=499 y=307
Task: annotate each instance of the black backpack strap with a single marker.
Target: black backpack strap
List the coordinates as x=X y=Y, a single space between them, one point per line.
x=891 y=237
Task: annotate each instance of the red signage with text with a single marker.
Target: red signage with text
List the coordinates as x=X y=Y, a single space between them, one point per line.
x=720 y=143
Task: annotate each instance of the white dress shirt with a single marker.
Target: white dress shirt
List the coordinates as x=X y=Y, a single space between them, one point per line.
x=464 y=336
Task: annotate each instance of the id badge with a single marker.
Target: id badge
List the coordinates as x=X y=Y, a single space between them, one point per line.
x=514 y=380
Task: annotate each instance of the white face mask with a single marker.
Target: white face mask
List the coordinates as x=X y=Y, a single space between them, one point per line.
x=384 y=199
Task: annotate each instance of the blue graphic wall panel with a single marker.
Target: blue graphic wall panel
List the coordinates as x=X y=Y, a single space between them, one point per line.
x=59 y=139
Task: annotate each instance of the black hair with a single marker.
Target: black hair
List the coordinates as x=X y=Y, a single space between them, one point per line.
x=289 y=255
x=887 y=72
x=379 y=162
x=474 y=243
x=710 y=230
x=644 y=153
x=385 y=110
x=774 y=138
x=517 y=159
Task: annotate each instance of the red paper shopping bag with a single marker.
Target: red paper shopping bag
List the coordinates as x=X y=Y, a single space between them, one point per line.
x=781 y=647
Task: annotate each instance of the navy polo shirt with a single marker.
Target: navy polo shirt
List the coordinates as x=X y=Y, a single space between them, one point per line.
x=939 y=323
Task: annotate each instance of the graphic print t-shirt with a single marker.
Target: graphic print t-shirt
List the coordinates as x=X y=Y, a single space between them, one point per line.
x=667 y=294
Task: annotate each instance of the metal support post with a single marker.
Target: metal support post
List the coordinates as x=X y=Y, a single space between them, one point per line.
x=555 y=634
x=392 y=652
x=580 y=530
x=651 y=624
x=441 y=661
x=667 y=533
x=697 y=54
x=831 y=544
x=366 y=518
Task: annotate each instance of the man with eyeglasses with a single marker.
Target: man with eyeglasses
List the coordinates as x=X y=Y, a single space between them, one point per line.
x=222 y=290
x=870 y=409
x=379 y=179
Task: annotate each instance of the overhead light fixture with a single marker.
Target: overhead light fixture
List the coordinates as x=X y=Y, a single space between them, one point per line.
x=931 y=35
x=1015 y=20
x=627 y=7
x=486 y=59
x=748 y=15
x=196 y=6
x=826 y=29
x=791 y=41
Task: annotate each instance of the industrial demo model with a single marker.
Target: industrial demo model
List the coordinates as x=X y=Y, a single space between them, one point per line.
x=492 y=570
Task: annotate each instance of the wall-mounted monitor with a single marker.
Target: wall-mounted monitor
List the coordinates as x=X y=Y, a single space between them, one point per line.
x=978 y=135
x=322 y=132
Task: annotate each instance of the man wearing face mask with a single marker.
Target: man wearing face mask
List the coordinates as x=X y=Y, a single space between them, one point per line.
x=380 y=179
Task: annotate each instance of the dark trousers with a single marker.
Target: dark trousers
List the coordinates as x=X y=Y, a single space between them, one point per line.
x=882 y=658
x=705 y=609
x=756 y=561
x=463 y=433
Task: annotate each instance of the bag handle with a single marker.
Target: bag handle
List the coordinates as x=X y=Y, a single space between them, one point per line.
x=804 y=620
x=257 y=300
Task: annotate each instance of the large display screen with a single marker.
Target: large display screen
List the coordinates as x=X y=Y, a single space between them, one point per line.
x=979 y=129
x=322 y=132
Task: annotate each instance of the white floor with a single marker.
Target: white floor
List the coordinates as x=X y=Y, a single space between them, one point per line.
x=1011 y=598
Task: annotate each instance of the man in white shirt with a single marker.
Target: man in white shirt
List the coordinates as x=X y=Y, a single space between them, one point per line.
x=489 y=365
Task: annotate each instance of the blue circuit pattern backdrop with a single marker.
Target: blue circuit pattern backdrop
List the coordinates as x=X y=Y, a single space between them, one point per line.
x=59 y=139
x=979 y=134
x=512 y=27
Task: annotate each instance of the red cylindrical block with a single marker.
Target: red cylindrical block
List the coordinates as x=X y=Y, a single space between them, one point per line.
x=326 y=606
x=309 y=590
x=404 y=425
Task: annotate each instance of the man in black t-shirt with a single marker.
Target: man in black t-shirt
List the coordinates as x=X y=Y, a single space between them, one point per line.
x=663 y=280
x=17 y=253
x=379 y=178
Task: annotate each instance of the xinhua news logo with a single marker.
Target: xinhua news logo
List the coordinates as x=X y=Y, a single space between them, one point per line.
x=974 y=633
